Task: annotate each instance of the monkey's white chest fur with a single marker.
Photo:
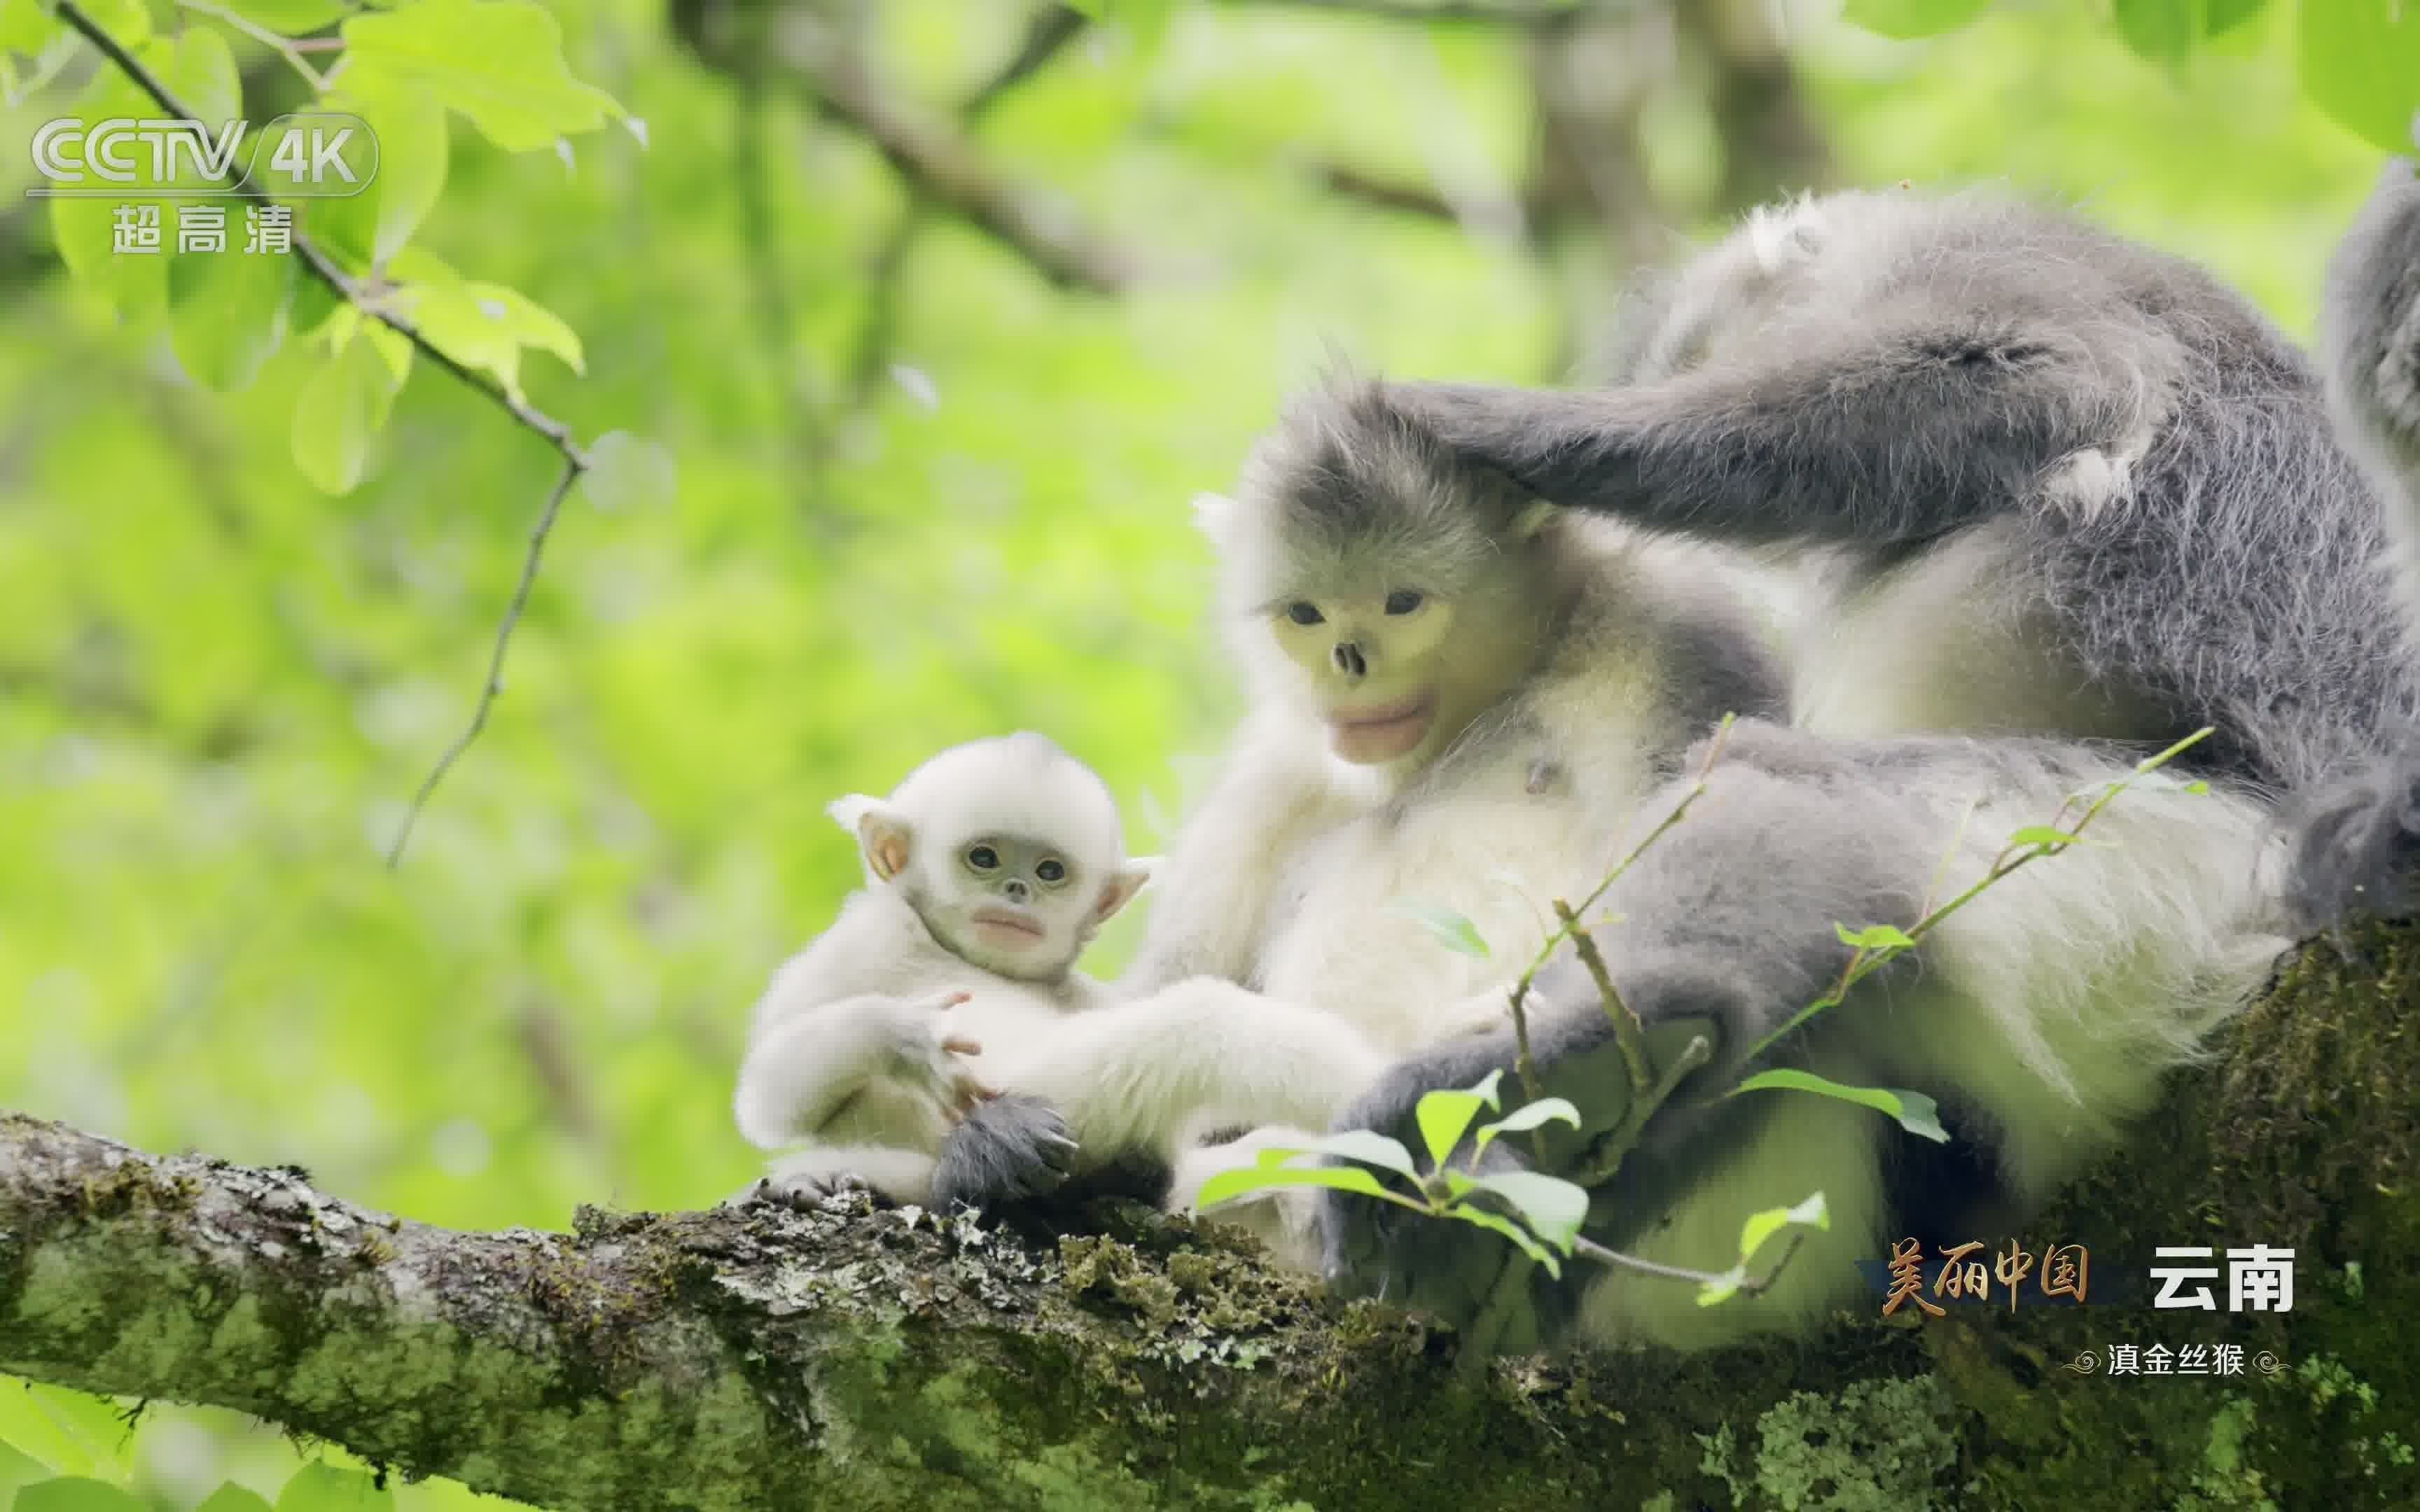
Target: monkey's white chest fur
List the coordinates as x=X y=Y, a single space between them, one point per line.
x=1354 y=927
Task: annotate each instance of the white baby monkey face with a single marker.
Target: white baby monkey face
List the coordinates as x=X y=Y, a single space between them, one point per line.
x=1008 y=901
x=1373 y=664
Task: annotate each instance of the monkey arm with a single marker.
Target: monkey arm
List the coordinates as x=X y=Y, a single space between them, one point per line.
x=807 y=1064
x=1214 y=888
x=1849 y=433
x=1135 y=1077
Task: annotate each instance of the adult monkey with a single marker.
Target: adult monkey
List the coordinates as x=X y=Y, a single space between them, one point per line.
x=2065 y=486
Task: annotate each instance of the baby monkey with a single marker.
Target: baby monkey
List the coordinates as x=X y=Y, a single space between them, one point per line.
x=988 y=871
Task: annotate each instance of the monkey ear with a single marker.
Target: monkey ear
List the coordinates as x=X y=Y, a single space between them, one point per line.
x=1122 y=887
x=883 y=833
x=1213 y=514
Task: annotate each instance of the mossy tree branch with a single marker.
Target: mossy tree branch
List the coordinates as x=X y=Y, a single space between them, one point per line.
x=853 y=1359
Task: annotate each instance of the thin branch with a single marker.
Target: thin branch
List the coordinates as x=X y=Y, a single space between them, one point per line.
x=1865 y=961
x=371 y=303
x=1045 y=36
x=1745 y=1287
x=283 y=47
x=1626 y=1032
x=941 y=165
x=496 y=683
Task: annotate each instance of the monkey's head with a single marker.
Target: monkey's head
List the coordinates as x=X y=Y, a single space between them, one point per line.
x=1380 y=580
x=1008 y=849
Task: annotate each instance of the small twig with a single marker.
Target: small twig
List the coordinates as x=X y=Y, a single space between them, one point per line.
x=284 y=47
x=496 y=683
x=1520 y=990
x=1746 y=1287
x=1626 y=1031
x=1525 y=1069
x=1865 y=962
x=1047 y=34
x=1605 y=1155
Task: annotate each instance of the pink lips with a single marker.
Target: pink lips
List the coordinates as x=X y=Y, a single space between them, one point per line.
x=1383 y=734
x=1009 y=920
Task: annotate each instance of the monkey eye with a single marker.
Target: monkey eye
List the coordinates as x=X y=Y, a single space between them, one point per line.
x=1304 y=612
x=1051 y=869
x=1403 y=600
x=983 y=859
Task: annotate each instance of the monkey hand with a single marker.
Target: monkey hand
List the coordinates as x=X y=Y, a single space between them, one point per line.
x=1006 y=1148
x=1468 y=1277
x=928 y=1056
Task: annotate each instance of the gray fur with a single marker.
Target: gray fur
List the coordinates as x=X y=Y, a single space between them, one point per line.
x=2358 y=839
x=1727 y=929
x=1008 y=1148
x=1915 y=369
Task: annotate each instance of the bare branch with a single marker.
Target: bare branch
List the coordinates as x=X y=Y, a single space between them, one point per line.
x=496 y=683
x=1045 y=36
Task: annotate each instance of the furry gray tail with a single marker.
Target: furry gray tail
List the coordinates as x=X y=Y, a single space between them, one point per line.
x=2357 y=845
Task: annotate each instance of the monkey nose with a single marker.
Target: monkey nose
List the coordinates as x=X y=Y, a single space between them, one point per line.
x=1015 y=888
x=1349 y=659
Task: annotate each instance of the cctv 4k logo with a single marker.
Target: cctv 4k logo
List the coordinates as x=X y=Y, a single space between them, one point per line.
x=309 y=155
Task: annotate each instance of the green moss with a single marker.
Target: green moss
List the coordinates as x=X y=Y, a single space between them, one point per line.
x=1879 y=1447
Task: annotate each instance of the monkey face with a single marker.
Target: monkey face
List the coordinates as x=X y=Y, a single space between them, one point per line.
x=1014 y=904
x=1008 y=850
x=1371 y=664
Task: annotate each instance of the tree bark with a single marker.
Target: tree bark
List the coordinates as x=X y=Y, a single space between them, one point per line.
x=758 y=1358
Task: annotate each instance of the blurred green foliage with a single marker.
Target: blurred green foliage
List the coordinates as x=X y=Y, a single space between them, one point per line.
x=218 y=684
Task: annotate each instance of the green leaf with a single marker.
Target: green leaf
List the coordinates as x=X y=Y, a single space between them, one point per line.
x=409 y=130
x=291 y=17
x=1452 y=930
x=1444 y=1117
x=1761 y=1226
x=1875 y=938
x=1555 y=1208
x=126 y=21
x=1229 y=1184
x=2160 y=31
x=1514 y=1232
x=323 y=1487
x=228 y=312
x=201 y=73
x=1917 y=1113
x=233 y=1498
x=76 y=1494
x=499 y=62
x=71 y=1432
x=28 y=28
x=1913 y=17
x=1368 y=1146
x=480 y=325
x=2043 y=835
x=1723 y=1286
x=629 y=472
x=340 y=408
x=1529 y=1115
